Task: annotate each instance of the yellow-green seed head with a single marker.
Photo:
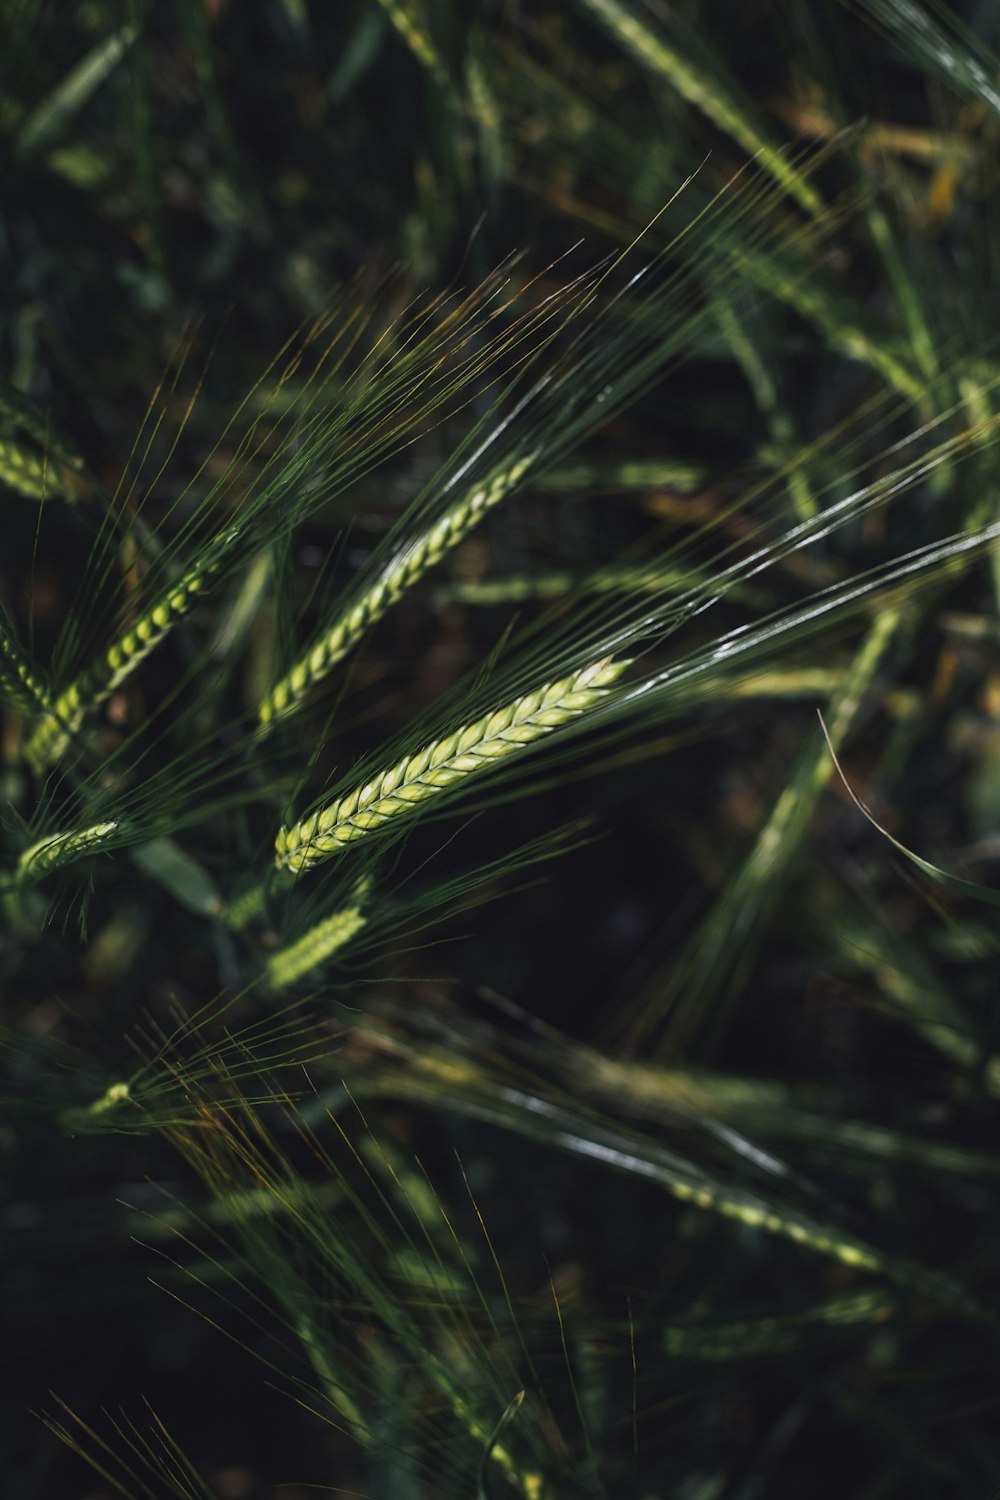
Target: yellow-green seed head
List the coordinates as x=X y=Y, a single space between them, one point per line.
x=442 y=764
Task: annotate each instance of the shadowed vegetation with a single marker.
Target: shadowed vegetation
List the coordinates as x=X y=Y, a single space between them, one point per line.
x=501 y=749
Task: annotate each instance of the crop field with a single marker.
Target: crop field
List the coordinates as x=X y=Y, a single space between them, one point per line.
x=500 y=749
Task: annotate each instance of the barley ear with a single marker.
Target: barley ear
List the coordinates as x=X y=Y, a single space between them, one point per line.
x=31 y=476
x=245 y=907
x=21 y=683
x=53 y=733
x=330 y=647
x=60 y=849
x=320 y=943
x=117 y=1093
x=443 y=764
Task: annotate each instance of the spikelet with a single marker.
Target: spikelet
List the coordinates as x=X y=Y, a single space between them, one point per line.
x=334 y=644
x=443 y=763
x=245 y=907
x=23 y=471
x=21 y=683
x=288 y=965
x=117 y=1093
x=60 y=849
x=52 y=734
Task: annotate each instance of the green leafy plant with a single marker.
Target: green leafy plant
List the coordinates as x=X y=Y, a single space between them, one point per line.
x=465 y=1030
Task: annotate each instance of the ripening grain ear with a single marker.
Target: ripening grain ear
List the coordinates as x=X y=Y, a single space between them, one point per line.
x=413 y=560
x=27 y=474
x=22 y=683
x=316 y=947
x=54 y=732
x=443 y=765
x=58 y=849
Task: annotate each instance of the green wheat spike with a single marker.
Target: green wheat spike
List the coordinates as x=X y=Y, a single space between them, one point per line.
x=825 y=1240
x=441 y=764
x=520 y=588
x=762 y=1336
x=704 y=94
x=401 y=574
x=115 y=1094
x=320 y=943
x=242 y=910
x=60 y=849
x=21 y=683
x=631 y=474
x=54 y=731
x=26 y=473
